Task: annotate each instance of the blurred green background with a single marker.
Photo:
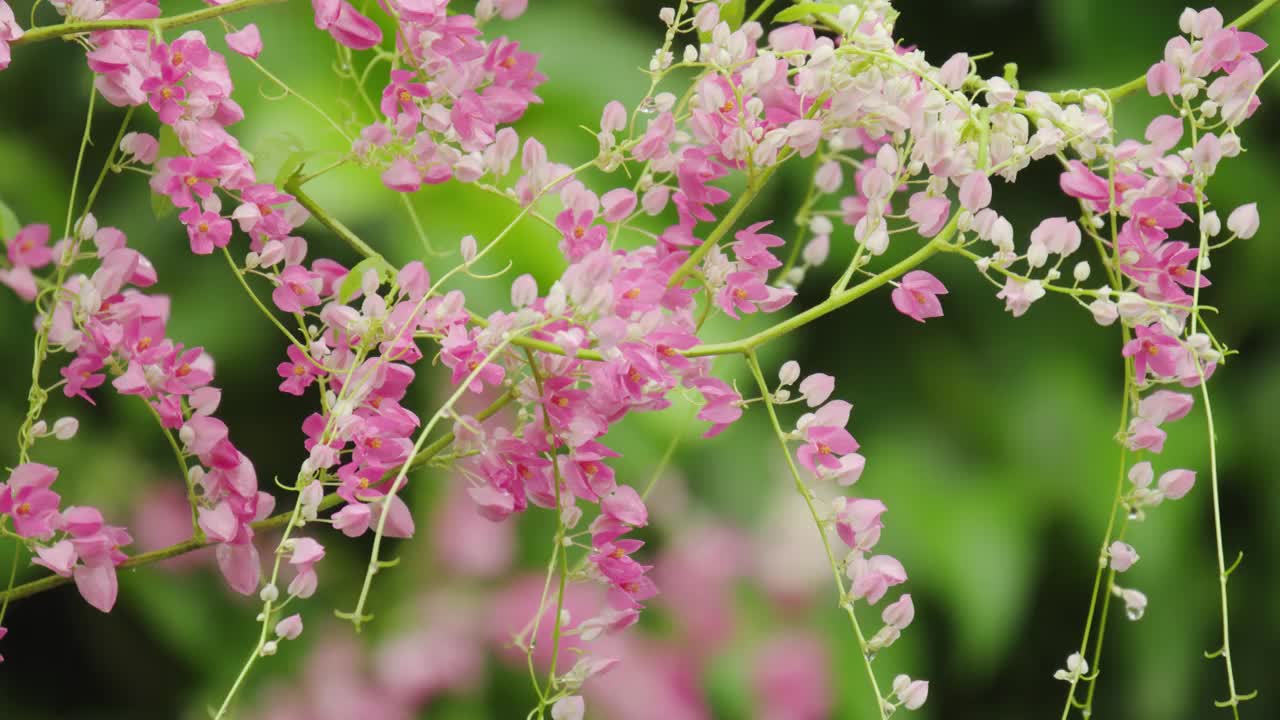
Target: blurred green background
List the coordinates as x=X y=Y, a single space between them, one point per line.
x=989 y=438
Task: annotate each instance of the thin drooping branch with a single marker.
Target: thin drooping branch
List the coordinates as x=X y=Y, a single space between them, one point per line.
x=50 y=32
x=50 y=582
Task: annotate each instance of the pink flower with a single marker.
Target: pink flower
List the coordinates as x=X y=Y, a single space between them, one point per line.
x=741 y=293
x=723 y=404
x=401 y=96
x=141 y=146
x=1123 y=556
x=872 y=577
x=306 y=553
x=816 y=388
x=1176 y=483
x=247 y=41
x=97 y=583
x=824 y=446
x=1244 y=221
x=299 y=372
x=30 y=247
x=352 y=520
x=346 y=24
x=1080 y=182
x=912 y=693
x=917 y=296
x=60 y=557
x=29 y=501
x=289 y=628
x=1153 y=351
x=402 y=175
x=899 y=614
x=9 y=32
x=240 y=566
x=298 y=289
x=858 y=522
x=1018 y=295
x=206 y=230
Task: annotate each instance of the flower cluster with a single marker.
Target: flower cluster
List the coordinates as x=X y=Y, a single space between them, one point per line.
x=72 y=542
x=620 y=331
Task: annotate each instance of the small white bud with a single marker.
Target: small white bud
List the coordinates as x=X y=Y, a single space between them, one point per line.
x=1081 y=271
x=65 y=428
x=269 y=648
x=269 y=593
x=789 y=372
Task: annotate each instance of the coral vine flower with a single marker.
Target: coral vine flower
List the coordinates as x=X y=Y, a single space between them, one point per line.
x=26 y=498
x=30 y=247
x=917 y=296
x=1153 y=351
x=299 y=372
x=9 y=32
x=401 y=96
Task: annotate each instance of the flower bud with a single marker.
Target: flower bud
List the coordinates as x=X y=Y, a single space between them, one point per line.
x=65 y=428
x=1081 y=271
x=789 y=372
x=269 y=648
x=269 y=593
x=289 y=628
x=1123 y=556
x=900 y=614
x=1244 y=221
x=912 y=693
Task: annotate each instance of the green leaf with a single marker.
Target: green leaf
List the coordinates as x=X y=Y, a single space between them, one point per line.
x=732 y=12
x=351 y=283
x=292 y=166
x=804 y=10
x=170 y=146
x=9 y=225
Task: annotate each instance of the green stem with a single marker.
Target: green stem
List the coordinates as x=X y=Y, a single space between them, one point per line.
x=845 y=602
x=294 y=188
x=50 y=32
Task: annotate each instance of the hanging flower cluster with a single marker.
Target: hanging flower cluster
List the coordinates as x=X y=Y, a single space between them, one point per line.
x=903 y=153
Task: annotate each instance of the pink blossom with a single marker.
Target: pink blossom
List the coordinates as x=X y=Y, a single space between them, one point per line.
x=346 y=24
x=30 y=247
x=353 y=520
x=911 y=693
x=858 y=522
x=26 y=498
x=1244 y=221
x=1174 y=484
x=289 y=628
x=1153 y=351
x=917 y=296
x=401 y=96
x=872 y=577
x=9 y=32
x=299 y=372
x=1123 y=556
x=141 y=146
x=1019 y=294
x=298 y=289
x=247 y=41
x=206 y=230
x=816 y=388
x=900 y=613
